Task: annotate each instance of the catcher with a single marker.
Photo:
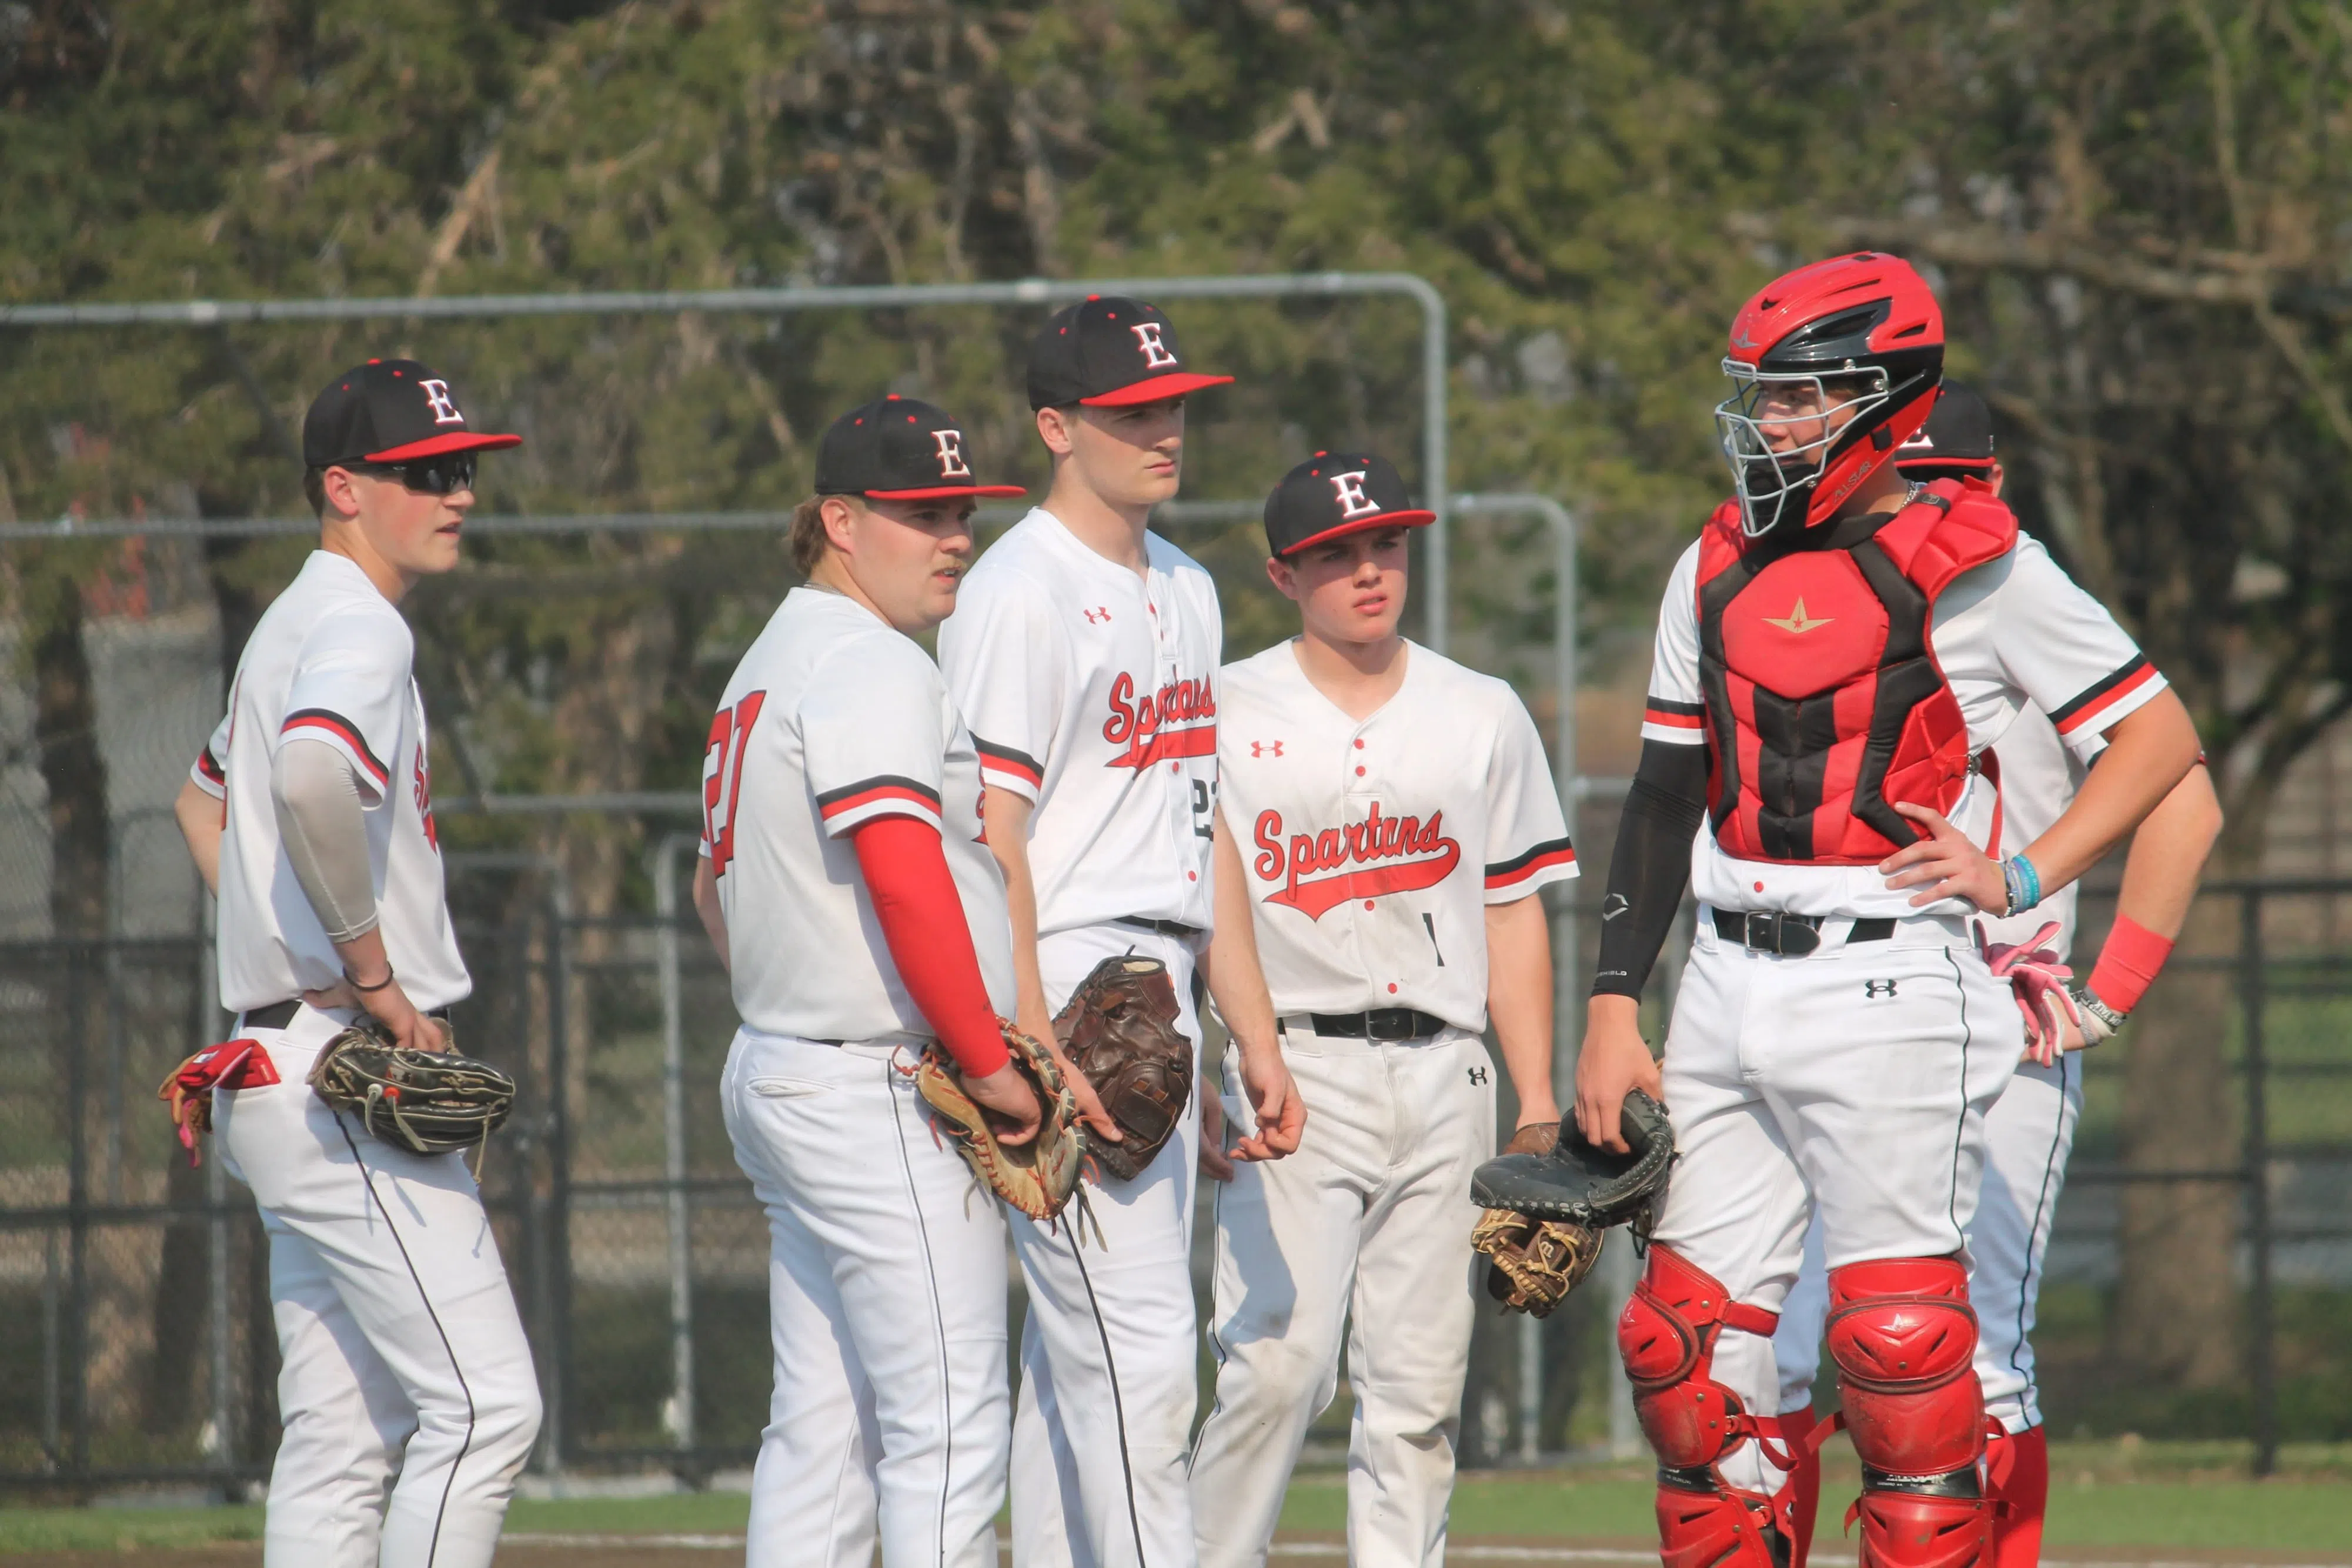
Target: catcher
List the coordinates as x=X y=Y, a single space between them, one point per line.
x=863 y=924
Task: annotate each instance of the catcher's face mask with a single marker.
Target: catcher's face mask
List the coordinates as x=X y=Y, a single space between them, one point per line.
x=1780 y=432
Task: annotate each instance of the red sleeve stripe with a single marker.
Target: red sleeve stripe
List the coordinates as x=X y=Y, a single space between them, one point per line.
x=2103 y=695
x=1674 y=715
x=343 y=729
x=1020 y=765
x=209 y=766
x=888 y=788
x=1524 y=868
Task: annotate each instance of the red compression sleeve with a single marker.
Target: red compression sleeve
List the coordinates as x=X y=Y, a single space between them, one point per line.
x=922 y=921
x=2128 y=963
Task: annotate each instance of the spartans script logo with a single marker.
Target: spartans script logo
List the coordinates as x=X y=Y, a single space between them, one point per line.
x=1319 y=872
x=1178 y=720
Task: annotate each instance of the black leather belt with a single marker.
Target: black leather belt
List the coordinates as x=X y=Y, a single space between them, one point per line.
x=1791 y=936
x=278 y=1015
x=1379 y=1023
x=1175 y=928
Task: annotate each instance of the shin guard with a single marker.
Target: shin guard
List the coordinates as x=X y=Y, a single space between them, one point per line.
x=1667 y=1336
x=1903 y=1336
x=2020 y=1489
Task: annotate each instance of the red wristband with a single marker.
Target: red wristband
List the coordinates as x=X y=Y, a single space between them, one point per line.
x=2129 y=961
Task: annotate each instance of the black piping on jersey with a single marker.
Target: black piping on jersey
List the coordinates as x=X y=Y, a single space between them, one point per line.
x=939 y=1323
x=349 y=731
x=1960 y=1124
x=367 y=1176
x=1675 y=709
x=1216 y=1341
x=2097 y=689
x=2054 y=1177
x=1517 y=861
x=1797 y=733
x=1110 y=1366
x=1020 y=759
x=880 y=782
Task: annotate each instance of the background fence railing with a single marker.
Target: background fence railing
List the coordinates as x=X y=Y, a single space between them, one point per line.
x=135 y=1338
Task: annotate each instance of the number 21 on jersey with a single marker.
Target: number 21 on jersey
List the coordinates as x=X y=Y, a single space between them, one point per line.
x=722 y=776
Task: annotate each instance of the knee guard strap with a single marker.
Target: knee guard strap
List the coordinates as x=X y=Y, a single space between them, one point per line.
x=1666 y=1335
x=1705 y=1524
x=1903 y=1336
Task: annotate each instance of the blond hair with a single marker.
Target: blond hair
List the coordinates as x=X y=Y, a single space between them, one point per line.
x=806 y=537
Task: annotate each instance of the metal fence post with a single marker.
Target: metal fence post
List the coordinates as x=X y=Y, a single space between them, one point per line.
x=680 y=1414
x=2262 y=1351
x=216 y=1197
x=559 y=1151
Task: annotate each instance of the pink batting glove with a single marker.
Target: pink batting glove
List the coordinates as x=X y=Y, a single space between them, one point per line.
x=2037 y=982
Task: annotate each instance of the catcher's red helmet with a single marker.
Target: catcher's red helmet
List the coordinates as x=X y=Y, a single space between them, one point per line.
x=1865 y=318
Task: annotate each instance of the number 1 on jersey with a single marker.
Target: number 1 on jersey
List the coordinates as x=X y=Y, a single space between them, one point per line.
x=722 y=763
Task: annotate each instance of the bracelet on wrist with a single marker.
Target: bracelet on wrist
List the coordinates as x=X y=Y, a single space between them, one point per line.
x=354 y=981
x=2098 y=1020
x=2022 y=882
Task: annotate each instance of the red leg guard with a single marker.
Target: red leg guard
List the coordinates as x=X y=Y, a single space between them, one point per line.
x=1668 y=1335
x=1718 y=1528
x=1805 y=1490
x=2023 y=1485
x=1902 y=1334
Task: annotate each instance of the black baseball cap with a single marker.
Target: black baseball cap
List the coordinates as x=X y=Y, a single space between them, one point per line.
x=389 y=410
x=898 y=449
x=1957 y=436
x=1336 y=493
x=1110 y=351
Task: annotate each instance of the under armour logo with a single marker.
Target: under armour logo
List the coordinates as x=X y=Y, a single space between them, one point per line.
x=436 y=398
x=1353 y=502
x=1478 y=1077
x=950 y=445
x=1872 y=988
x=1265 y=749
x=1156 y=356
x=1100 y=613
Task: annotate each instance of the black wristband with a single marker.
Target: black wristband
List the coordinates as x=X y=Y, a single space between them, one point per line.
x=354 y=981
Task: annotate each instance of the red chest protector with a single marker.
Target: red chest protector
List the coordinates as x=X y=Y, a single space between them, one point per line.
x=1824 y=702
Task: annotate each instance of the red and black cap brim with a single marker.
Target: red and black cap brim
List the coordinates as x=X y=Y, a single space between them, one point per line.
x=1939 y=463
x=945 y=492
x=1155 y=389
x=434 y=445
x=1405 y=517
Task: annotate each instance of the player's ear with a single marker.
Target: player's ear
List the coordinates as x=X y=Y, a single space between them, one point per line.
x=341 y=491
x=1280 y=573
x=840 y=517
x=1054 y=429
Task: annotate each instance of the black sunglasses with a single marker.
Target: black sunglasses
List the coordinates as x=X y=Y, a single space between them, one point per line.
x=443 y=474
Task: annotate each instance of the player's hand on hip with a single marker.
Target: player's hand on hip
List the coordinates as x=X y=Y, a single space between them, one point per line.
x=1281 y=1114
x=1944 y=864
x=1006 y=1096
x=389 y=1006
x=1614 y=1062
x=1214 y=1162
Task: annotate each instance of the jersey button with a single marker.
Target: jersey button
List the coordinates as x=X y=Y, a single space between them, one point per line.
x=1360 y=772
x=1359 y=743
x=1191 y=876
x=1392 y=987
x=1760 y=887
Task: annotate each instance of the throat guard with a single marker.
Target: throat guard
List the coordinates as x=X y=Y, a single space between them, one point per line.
x=1825 y=706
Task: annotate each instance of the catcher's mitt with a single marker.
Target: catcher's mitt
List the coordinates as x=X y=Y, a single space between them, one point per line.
x=426 y=1101
x=1550 y=1197
x=1119 y=1029
x=1036 y=1177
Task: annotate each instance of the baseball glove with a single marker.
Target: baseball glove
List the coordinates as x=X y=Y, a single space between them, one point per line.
x=1036 y=1177
x=1549 y=1198
x=426 y=1101
x=1119 y=1029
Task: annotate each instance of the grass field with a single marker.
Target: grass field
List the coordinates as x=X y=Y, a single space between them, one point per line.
x=2139 y=1498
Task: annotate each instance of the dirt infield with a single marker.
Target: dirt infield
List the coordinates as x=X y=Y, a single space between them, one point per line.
x=535 y=1549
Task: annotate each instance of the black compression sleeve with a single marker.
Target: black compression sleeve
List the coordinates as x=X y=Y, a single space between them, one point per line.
x=1650 y=866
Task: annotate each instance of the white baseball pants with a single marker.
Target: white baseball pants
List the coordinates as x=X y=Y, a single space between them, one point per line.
x=406 y=1390
x=1108 y=1357
x=2029 y=1132
x=886 y=1310
x=1365 y=1227
x=1852 y=1083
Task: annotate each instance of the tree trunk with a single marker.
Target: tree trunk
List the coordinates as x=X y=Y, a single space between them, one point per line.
x=2176 y=1318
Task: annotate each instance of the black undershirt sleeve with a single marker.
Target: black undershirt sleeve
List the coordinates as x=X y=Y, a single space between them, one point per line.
x=1650 y=866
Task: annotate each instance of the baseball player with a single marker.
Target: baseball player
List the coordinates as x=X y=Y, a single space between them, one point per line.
x=1833 y=656
x=1397 y=820
x=860 y=917
x=2030 y=1128
x=1084 y=653
x=405 y=1388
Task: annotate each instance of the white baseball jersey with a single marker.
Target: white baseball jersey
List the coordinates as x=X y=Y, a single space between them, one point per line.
x=2039 y=776
x=1091 y=691
x=2013 y=632
x=834 y=718
x=328 y=661
x=1372 y=847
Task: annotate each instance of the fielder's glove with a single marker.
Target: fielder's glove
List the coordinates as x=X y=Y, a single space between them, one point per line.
x=426 y=1101
x=1036 y=1177
x=2037 y=980
x=1119 y=1029
x=1549 y=1198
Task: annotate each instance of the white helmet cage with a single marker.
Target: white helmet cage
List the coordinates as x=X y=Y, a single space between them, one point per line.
x=1767 y=481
